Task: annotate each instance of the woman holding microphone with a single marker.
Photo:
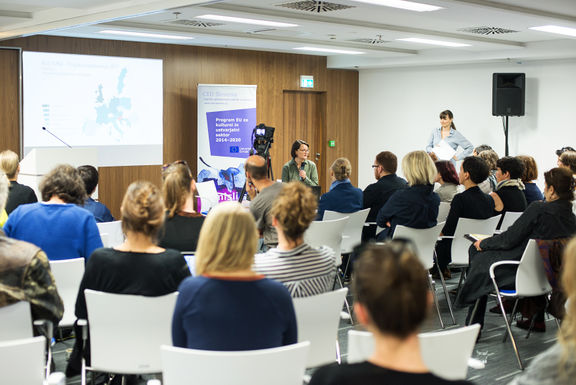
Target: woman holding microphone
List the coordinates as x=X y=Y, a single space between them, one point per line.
x=300 y=168
x=447 y=135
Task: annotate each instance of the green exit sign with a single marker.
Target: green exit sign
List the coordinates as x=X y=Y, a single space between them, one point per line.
x=331 y=143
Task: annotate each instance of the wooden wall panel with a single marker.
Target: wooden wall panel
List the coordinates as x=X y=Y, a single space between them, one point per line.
x=9 y=100
x=342 y=119
x=187 y=66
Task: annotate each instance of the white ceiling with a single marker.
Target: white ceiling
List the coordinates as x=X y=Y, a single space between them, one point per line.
x=340 y=29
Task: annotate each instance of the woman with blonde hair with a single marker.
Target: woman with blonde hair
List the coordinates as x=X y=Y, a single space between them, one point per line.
x=557 y=365
x=304 y=270
x=416 y=206
x=228 y=306
x=137 y=266
x=182 y=224
x=342 y=197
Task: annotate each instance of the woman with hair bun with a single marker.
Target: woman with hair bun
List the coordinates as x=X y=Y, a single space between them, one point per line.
x=342 y=197
x=304 y=270
x=138 y=266
x=182 y=225
x=447 y=133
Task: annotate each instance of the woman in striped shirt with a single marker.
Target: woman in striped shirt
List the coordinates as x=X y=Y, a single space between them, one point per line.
x=304 y=270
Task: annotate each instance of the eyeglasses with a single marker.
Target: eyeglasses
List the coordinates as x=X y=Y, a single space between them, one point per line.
x=375 y=165
x=304 y=150
x=166 y=165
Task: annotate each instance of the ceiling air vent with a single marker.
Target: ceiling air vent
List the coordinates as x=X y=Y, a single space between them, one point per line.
x=315 y=6
x=487 y=30
x=374 y=41
x=193 y=23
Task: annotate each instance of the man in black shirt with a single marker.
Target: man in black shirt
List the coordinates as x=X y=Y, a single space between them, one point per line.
x=377 y=194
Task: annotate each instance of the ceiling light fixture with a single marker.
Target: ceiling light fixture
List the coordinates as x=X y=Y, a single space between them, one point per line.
x=408 y=5
x=556 y=29
x=145 y=34
x=329 y=50
x=434 y=42
x=245 y=21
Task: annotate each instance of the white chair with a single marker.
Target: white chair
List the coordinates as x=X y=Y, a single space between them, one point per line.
x=68 y=274
x=531 y=281
x=352 y=233
x=285 y=365
x=126 y=331
x=456 y=346
x=425 y=243
x=443 y=211
x=461 y=245
x=113 y=230
x=22 y=361
x=508 y=220
x=318 y=319
x=16 y=321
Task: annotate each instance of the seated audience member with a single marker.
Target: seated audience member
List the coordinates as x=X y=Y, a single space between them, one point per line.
x=480 y=148
x=563 y=150
x=138 y=266
x=377 y=194
x=262 y=191
x=557 y=365
x=182 y=223
x=303 y=269
x=490 y=183
x=89 y=175
x=416 y=206
x=531 y=191
x=342 y=197
x=448 y=180
x=57 y=225
x=509 y=171
x=552 y=219
x=472 y=203
x=568 y=160
x=397 y=358
x=25 y=274
x=19 y=194
x=228 y=306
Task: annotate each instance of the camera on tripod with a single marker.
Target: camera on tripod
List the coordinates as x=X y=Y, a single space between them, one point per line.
x=262 y=138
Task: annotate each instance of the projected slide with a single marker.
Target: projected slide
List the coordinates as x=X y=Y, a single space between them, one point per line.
x=112 y=103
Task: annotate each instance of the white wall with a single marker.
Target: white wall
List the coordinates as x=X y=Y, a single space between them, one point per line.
x=399 y=107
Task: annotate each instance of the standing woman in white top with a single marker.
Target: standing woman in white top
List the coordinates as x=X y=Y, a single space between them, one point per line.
x=447 y=133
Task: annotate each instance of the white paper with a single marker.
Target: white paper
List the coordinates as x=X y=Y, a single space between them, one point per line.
x=443 y=151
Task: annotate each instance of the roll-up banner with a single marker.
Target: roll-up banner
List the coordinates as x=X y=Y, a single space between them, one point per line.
x=226 y=119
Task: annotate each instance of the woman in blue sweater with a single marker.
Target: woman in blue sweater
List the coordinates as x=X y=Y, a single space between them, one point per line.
x=228 y=306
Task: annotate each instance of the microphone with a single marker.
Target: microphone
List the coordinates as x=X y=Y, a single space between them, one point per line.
x=50 y=132
x=302 y=167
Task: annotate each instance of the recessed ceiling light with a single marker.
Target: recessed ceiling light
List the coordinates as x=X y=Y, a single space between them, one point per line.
x=434 y=42
x=145 y=34
x=556 y=29
x=329 y=50
x=408 y=5
x=246 y=21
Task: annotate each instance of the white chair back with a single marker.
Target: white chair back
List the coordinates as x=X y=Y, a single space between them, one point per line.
x=327 y=233
x=126 y=331
x=15 y=321
x=22 y=361
x=279 y=366
x=460 y=245
x=352 y=233
x=456 y=346
x=318 y=319
x=68 y=274
x=508 y=220
x=423 y=239
x=443 y=211
x=531 y=277
x=113 y=230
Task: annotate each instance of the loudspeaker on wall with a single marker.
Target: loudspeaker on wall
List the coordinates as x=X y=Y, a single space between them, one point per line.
x=508 y=94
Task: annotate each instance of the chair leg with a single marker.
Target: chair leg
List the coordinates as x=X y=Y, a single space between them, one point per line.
x=460 y=281
x=507 y=325
x=446 y=294
x=348 y=310
x=433 y=289
x=338 y=357
x=511 y=319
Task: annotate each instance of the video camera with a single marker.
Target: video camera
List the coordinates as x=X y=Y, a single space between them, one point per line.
x=262 y=138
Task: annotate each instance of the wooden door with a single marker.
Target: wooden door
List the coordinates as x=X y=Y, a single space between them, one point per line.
x=304 y=118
